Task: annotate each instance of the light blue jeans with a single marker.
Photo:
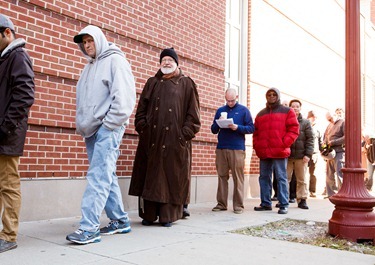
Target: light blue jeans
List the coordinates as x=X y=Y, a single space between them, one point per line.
x=102 y=190
x=267 y=167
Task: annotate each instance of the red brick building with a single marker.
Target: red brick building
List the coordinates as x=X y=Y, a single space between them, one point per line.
x=54 y=153
x=217 y=45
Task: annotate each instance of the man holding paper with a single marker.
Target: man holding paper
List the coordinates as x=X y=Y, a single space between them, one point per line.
x=235 y=121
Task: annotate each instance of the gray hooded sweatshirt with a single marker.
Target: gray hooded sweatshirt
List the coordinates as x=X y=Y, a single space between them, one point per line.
x=106 y=89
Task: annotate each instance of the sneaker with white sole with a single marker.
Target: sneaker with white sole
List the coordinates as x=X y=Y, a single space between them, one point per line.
x=116 y=227
x=84 y=237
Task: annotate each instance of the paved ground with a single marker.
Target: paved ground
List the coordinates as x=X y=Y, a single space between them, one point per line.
x=204 y=238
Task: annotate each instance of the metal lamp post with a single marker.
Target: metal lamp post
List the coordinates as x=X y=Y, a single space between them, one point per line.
x=353 y=217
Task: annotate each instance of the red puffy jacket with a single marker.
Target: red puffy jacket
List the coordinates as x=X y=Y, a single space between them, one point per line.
x=276 y=129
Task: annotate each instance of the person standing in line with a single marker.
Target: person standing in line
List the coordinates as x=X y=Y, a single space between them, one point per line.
x=301 y=152
x=334 y=137
x=167 y=119
x=16 y=98
x=274 y=180
x=105 y=101
x=369 y=146
x=329 y=118
x=276 y=129
x=230 y=150
x=292 y=182
x=311 y=116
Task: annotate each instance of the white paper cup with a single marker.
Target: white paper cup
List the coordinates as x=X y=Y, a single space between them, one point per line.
x=224 y=115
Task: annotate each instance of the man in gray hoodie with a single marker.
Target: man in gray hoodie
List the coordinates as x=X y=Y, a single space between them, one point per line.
x=105 y=101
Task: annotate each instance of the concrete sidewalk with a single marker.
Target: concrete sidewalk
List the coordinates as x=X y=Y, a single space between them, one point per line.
x=204 y=238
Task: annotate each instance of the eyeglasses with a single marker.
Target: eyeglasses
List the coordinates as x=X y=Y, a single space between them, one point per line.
x=271 y=95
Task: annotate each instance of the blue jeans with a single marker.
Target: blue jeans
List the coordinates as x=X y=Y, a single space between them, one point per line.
x=102 y=190
x=267 y=167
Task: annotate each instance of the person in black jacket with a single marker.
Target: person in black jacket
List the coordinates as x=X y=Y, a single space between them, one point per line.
x=16 y=98
x=301 y=152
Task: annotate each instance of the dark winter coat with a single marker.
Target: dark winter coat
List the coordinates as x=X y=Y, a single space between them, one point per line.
x=166 y=120
x=335 y=133
x=304 y=145
x=16 y=97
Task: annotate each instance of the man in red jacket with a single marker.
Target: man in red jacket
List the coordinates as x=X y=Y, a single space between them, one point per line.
x=276 y=129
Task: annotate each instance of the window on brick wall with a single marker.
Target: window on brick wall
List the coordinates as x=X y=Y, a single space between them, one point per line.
x=236 y=47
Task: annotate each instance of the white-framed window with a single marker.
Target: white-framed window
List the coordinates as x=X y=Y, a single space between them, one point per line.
x=236 y=47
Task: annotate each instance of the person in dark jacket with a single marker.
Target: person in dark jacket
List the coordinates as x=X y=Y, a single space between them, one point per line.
x=276 y=129
x=301 y=153
x=230 y=150
x=16 y=99
x=167 y=119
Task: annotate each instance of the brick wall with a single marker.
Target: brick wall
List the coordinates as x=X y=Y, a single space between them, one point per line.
x=196 y=29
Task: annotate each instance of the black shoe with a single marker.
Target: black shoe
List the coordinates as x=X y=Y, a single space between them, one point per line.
x=283 y=210
x=274 y=199
x=302 y=204
x=6 y=245
x=263 y=208
x=277 y=205
x=185 y=213
x=146 y=223
x=168 y=224
x=293 y=200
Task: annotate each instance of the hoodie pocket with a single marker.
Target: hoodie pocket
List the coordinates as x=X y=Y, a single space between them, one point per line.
x=86 y=122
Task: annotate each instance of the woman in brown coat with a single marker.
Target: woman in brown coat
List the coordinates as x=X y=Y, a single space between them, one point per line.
x=166 y=120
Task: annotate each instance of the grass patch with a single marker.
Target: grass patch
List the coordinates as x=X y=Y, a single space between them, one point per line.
x=305 y=232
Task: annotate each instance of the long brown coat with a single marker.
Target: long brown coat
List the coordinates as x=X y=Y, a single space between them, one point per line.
x=166 y=120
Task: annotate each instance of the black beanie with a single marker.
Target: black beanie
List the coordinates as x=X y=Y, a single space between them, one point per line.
x=169 y=52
